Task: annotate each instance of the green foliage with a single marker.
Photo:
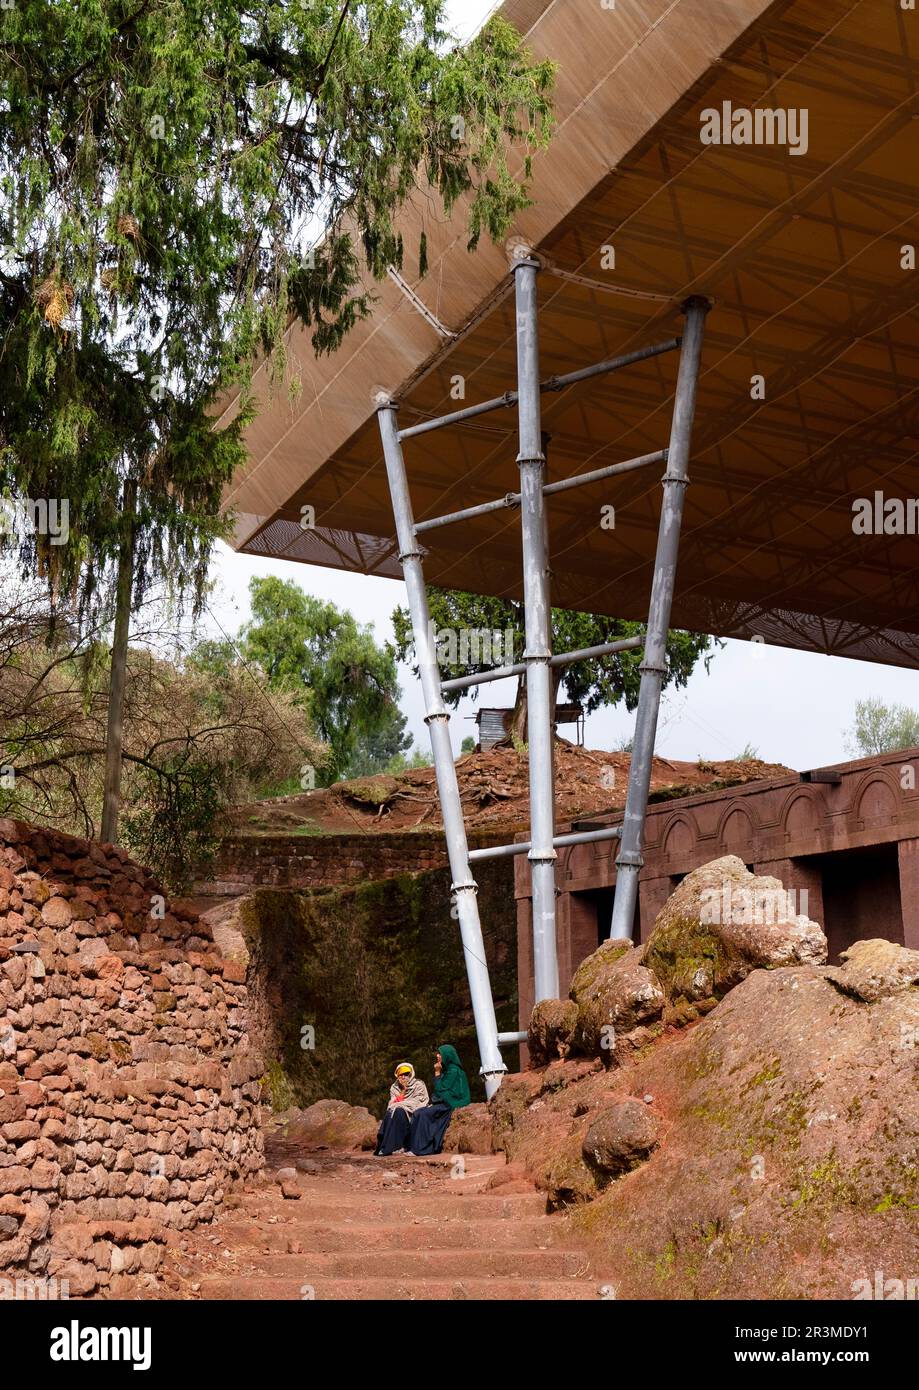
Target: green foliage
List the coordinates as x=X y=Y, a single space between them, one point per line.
x=179 y=178
x=746 y=753
x=881 y=728
x=198 y=736
x=406 y=762
x=325 y=659
x=174 y=818
x=593 y=684
x=467 y=745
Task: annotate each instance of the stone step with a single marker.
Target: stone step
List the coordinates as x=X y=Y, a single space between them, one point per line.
x=418 y=1234
x=419 y=1264
x=359 y=1207
x=401 y=1289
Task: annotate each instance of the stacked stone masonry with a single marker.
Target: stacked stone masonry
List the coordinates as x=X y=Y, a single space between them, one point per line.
x=129 y=1093
x=245 y=862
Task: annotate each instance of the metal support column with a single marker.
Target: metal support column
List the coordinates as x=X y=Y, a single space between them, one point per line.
x=437 y=719
x=653 y=668
x=538 y=634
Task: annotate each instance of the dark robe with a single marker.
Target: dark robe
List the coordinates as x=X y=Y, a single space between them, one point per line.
x=451 y=1092
x=394 y=1131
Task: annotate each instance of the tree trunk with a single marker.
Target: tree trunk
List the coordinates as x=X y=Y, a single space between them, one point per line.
x=517 y=727
x=111 y=804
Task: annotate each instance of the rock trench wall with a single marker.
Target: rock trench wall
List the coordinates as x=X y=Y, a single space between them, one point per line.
x=376 y=973
x=129 y=1092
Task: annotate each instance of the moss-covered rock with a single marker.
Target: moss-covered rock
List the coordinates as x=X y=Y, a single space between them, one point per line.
x=719 y=924
x=551 y=1029
x=613 y=994
x=621 y=1137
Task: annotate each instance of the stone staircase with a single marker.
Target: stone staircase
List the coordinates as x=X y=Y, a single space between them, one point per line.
x=355 y=1227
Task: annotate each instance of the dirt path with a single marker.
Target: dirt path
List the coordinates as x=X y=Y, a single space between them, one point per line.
x=358 y=1227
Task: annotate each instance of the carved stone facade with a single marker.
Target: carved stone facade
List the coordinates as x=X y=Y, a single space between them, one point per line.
x=847 y=836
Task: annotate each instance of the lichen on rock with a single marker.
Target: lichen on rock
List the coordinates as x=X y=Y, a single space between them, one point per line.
x=720 y=923
x=873 y=969
x=614 y=993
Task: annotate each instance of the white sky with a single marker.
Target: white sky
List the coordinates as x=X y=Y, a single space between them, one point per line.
x=794 y=707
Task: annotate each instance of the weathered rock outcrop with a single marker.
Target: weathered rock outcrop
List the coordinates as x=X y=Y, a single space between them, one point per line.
x=614 y=994
x=719 y=924
x=780 y=1157
x=469 y=1131
x=328 y=1124
x=551 y=1030
x=621 y=1137
x=129 y=1097
x=873 y=969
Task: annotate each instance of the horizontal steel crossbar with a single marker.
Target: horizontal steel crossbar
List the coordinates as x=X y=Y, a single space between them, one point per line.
x=499 y=673
x=579 y=837
x=552 y=383
x=512 y=499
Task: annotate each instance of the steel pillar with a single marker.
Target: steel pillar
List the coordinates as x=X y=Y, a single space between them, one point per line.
x=437 y=719
x=654 y=667
x=537 y=617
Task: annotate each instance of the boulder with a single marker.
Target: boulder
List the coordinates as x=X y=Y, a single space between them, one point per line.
x=330 y=1124
x=469 y=1131
x=613 y=993
x=621 y=1137
x=871 y=970
x=551 y=1029
x=719 y=924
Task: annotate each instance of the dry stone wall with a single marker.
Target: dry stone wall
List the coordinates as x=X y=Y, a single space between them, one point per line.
x=129 y=1093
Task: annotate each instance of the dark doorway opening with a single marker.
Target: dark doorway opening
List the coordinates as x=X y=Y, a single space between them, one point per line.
x=861 y=896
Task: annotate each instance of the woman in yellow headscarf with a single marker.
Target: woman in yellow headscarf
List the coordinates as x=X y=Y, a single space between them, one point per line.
x=406 y=1095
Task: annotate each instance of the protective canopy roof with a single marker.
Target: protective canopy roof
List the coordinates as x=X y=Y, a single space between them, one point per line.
x=803 y=256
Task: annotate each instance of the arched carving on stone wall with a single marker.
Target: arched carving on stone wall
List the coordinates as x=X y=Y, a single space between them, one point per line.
x=736 y=834
x=801 y=815
x=679 y=837
x=876 y=800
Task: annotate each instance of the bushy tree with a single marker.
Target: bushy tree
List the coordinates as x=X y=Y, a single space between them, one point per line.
x=321 y=656
x=178 y=178
x=197 y=738
x=483 y=632
x=881 y=728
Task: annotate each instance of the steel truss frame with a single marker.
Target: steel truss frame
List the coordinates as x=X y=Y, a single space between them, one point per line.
x=538 y=659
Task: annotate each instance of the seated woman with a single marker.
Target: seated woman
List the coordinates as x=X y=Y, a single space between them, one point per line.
x=406 y=1095
x=451 y=1092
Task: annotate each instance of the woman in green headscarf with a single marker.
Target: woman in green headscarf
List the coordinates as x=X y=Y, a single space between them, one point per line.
x=450 y=1092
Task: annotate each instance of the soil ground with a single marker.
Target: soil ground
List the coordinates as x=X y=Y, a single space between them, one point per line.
x=494 y=787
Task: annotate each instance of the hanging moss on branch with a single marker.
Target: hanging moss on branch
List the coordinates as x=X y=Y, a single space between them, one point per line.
x=178 y=179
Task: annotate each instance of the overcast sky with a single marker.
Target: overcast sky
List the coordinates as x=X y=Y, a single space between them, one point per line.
x=793 y=707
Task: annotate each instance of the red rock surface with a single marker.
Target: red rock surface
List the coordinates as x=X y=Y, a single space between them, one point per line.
x=785 y=1161
x=494 y=787
x=451 y=1227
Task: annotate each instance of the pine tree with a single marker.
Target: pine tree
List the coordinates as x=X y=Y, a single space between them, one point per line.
x=177 y=179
